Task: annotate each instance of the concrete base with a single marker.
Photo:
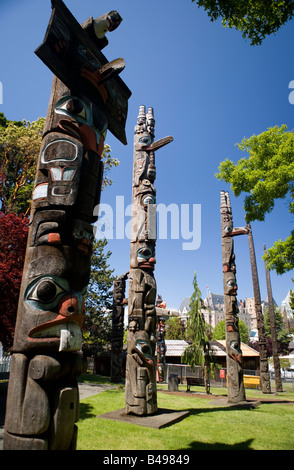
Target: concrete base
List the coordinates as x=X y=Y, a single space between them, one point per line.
x=160 y=419
x=248 y=404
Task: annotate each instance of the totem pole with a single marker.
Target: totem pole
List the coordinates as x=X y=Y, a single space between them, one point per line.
x=271 y=311
x=264 y=374
x=162 y=314
x=43 y=399
x=236 y=390
x=141 y=397
x=119 y=302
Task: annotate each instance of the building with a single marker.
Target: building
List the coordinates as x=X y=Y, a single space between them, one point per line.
x=249 y=304
x=184 y=308
x=176 y=348
x=213 y=310
x=250 y=356
x=287 y=312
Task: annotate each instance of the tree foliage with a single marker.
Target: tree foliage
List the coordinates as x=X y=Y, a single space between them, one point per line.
x=219 y=331
x=174 y=329
x=199 y=351
x=280 y=256
x=20 y=143
x=291 y=299
x=255 y=19
x=19 y=149
x=266 y=174
x=13 y=238
x=99 y=301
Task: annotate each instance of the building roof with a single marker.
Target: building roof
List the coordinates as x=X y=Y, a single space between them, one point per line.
x=286 y=305
x=274 y=302
x=175 y=347
x=219 y=348
x=214 y=300
x=185 y=305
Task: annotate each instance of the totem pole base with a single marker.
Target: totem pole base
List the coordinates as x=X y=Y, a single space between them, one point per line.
x=246 y=404
x=161 y=419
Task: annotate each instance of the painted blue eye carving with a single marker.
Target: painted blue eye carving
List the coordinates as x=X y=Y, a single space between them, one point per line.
x=145 y=140
x=46 y=292
x=149 y=199
x=144 y=347
x=144 y=253
x=73 y=107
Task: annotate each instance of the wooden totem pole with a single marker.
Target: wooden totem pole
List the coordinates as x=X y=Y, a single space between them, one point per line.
x=271 y=310
x=141 y=397
x=87 y=99
x=264 y=373
x=119 y=303
x=162 y=314
x=236 y=390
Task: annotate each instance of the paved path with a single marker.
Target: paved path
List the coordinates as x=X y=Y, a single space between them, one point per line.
x=85 y=390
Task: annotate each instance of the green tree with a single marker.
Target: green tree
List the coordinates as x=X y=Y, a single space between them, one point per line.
x=255 y=19
x=19 y=149
x=174 y=328
x=199 y=351
x=266 y=174
x=219 y=331
x=13 y=240
x=280 y=256
x=98 y=303
x=291 y=299
x=20 y=143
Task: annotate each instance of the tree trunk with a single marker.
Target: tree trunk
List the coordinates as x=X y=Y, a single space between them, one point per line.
x=207 y=378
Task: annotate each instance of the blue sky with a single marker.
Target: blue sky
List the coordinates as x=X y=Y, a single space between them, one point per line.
x=209 y=89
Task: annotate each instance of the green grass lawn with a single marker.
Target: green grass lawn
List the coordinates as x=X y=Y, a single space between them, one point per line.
x=208 y=427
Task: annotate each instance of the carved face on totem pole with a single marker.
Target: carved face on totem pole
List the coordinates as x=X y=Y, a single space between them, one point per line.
x=67 y=188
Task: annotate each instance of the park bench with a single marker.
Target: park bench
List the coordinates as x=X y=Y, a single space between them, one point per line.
x=251 y=381
x=194 y=381
x=4 y=376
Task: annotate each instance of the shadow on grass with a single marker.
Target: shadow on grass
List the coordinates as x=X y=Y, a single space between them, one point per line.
x=211 y=409
x=95 y=379
x=245 y=445
x=86 y=411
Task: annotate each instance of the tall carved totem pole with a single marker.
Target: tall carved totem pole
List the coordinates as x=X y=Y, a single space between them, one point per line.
x=271 y=311
x=141 y=397
x=119 y=303
x=236 y=390
x=87 y=99
x=264 y=372
x=162 y=314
